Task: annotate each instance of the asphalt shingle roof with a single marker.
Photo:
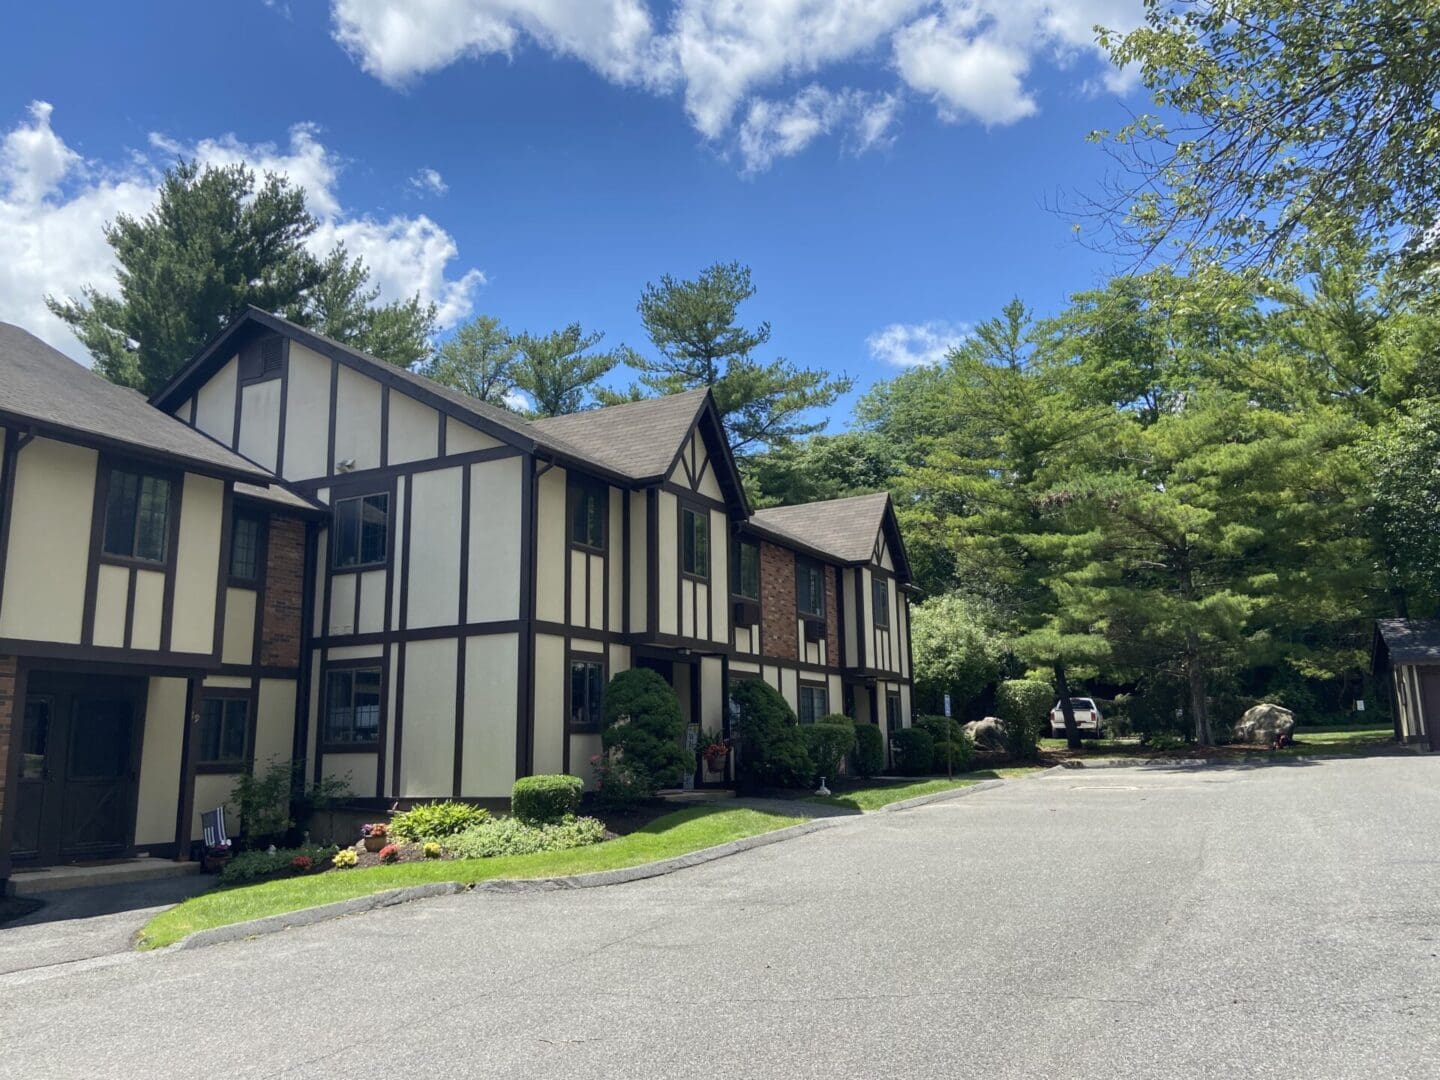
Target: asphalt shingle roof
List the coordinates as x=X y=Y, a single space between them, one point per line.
x=846 y=528
x=1411 y=641
x=42 y=384
x=638 y=439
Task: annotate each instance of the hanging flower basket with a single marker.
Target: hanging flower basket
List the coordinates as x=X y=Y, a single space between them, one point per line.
x=715 y=758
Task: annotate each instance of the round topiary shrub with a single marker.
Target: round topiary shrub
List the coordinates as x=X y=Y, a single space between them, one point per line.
x=914 y=751
x=541 y=800
x=868 y=757
x=773 y=752
x=828 y=741
x=1024 y=705
x=643 y=721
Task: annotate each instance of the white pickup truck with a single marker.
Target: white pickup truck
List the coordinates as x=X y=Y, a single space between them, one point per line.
x=1087 y=717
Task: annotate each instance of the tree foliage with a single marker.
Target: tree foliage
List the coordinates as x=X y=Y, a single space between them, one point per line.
x=698 y=339
x=1281 y=124
x=479 y=359
x=558 y=371
x=959 y=649
x=216 y=241
x=643 y=724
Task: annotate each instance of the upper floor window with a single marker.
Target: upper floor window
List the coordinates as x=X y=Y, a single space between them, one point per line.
x=245 y=548
x=695 y=542
x=587 y=515
x=880 y=593
x=137 y=515
x=224 y=731
x=352 y=705
x=810 y=588
x=362 y=531
x=745 y=573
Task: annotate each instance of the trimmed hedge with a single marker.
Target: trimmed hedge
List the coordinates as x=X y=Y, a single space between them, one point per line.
x=958 y=758
x=868 y=757
x=773 y=751
x=431 y=821
x=914 y=751
x=510 y=836
x=643 y=721
x=829 y=741
x=542 y=800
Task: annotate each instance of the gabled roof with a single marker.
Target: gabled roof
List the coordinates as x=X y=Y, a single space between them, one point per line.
x=846 y=529
x=639 y=438
x=43 y=389
x=1408 y=641
x=630 y=443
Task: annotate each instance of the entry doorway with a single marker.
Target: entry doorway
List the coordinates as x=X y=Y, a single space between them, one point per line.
x=79 y=742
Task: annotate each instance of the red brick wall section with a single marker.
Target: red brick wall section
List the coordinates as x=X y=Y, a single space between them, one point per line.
x=832 y=618
x=7 y=722
x=284 y=594
x=777 y=602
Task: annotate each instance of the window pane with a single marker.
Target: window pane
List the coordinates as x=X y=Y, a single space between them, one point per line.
x=374 y=528
x=362 y=530
x=120 y=511
x=36 y=746
x=210 y=721
x=597 y=693
x=237 y=729
x=245 y=548
x=152 y=518
x=339 y=715
x=347 y=532
x=696 y=532
x=750 y=571
x=596 y=519
x=811 y=589
x=881 y=595
x=367 y=705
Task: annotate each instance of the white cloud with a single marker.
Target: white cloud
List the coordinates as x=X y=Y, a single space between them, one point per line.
x=429 y=182
x=54 y=205
x=972 y=58
x=774 y=129
x=914 y=344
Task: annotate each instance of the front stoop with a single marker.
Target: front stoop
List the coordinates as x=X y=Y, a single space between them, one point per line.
x=44 y=879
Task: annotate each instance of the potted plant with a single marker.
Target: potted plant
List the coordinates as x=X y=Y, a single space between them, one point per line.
x=715 y=749
x=376 y=836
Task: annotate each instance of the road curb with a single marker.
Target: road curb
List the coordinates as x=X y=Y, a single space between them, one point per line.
x=274 y=924
x=941 y=796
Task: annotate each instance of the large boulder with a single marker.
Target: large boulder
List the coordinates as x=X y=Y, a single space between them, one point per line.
x=989 y=734
x=1264 y=725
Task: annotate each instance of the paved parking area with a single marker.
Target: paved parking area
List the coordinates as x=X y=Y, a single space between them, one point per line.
x=1276 y=921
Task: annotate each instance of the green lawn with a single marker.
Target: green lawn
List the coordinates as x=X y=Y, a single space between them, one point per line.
x=874 y=796
x=674 y=834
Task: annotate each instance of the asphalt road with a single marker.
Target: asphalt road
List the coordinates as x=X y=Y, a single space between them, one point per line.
x=1261 y=921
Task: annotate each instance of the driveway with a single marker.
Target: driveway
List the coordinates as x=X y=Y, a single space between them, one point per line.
x=1277 y=921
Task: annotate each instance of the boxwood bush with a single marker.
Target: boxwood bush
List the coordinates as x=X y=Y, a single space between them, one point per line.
x=643 y=721
x=914 y=751
x=431 y=821
x=773 y=752
x=828 y=741
x=540 y=800
x=868 y=757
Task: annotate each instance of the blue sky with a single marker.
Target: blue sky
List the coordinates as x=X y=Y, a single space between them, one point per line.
x=884 y=166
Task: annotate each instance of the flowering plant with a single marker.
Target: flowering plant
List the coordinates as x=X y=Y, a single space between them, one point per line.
x=302 y=862
x=714 y=747
x=431 y=850
x=345 y=858
x=378 y=829
x=389 y=853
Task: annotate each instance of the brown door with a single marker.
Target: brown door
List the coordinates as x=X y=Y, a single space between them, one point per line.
x=1430 y=703
x=79 y=772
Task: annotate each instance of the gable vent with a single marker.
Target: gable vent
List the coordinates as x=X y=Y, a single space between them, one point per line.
x=272 y=355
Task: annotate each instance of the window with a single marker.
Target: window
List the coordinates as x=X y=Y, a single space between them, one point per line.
x=587 y=686
x=810 y=588
x=695 y=541
x=362 y=531
x=587 y=515
x=880 y=594
x=137 y=516
x=814 y=703
x=352 y=706
x=245 y=548
x=746 y=570
x=224 y=731
x=893 y=722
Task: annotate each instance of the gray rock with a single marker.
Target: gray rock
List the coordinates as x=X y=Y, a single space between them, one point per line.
x=1264 y=723
x=989 y=734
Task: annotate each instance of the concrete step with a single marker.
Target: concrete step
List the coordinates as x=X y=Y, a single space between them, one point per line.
x=42 y=879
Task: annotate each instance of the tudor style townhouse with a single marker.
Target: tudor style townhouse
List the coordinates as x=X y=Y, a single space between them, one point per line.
x=297 y=552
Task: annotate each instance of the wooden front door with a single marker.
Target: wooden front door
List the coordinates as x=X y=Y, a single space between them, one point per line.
x=80 y=744
x=1430 y=703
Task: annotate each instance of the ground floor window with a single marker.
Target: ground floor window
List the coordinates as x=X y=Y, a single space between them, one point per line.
x=224 y=731
x=587 y=688
x=352 y=705
x=814 y=703
x=892 y=712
